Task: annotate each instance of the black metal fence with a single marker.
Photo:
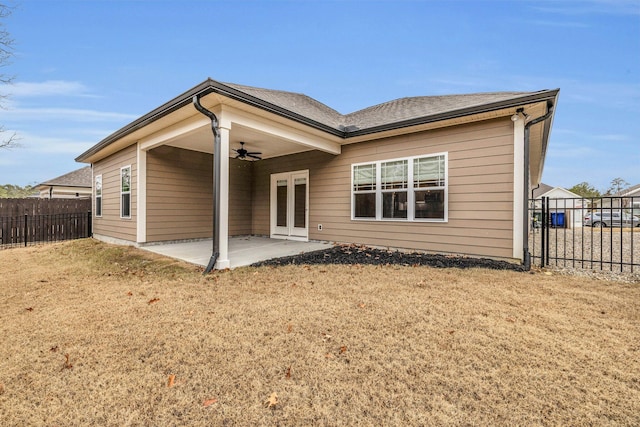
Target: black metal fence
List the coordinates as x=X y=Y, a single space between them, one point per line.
x=593 y=233
x=23 y=230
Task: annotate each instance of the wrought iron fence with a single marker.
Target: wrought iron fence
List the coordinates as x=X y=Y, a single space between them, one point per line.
x=594 y=233
x=23 y=230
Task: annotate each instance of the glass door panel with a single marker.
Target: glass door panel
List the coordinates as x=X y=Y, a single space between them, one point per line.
x=289 y=205
x=281 y=203
x=300 y=203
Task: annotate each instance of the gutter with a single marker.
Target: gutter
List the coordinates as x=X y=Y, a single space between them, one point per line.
x=211 y=86
x=526 y=255
x=216 y=181
x=545 y=95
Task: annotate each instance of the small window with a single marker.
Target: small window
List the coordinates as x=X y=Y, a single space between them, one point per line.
x=98 y=195
x=125 y=192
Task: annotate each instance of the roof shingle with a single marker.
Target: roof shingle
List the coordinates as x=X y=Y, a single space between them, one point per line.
x=77 y=178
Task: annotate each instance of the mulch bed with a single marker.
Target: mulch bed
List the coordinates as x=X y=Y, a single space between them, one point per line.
x=357 y=254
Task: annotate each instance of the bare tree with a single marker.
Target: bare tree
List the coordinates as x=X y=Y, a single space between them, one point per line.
x=617 y=185
x=6 y=52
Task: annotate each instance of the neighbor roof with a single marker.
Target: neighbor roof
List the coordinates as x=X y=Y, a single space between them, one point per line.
x=394 y=114
x=541 y=189
x=627 y=191
x=78 y=178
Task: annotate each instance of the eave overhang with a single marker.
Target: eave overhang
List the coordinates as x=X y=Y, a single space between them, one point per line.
x=346 y=133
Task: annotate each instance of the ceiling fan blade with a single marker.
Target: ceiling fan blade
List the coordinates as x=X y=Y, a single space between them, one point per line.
x=256 y=153
x=253 y=156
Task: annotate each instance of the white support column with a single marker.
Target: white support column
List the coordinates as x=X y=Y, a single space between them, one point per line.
x=223 y=259
x=518 y=184
x=141 y=196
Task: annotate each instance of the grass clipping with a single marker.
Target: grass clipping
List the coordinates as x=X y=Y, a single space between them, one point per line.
x=96 y=334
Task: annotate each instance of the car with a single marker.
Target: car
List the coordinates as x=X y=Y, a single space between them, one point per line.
x=610 y=219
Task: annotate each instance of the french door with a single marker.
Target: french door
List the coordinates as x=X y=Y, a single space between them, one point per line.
x=290 y=205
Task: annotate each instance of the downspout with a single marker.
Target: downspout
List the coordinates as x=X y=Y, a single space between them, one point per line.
x=216 y=182
x=534 y=189
x=526 y=257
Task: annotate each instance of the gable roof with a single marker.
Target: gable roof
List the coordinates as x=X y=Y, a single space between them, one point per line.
x=544 y=189
x=628 y=191
x=403 y=112
x=541 y=190
x=77 y=178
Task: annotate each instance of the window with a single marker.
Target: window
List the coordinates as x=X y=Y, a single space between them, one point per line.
x=429 y=187
x=410 y=189
x=99 y=195
x=125 y=192
x=364 y=191
x=394 y=189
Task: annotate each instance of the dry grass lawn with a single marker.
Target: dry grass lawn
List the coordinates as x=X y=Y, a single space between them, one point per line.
x=152 y=342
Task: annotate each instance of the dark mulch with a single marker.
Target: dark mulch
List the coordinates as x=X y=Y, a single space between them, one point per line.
x=356 y=254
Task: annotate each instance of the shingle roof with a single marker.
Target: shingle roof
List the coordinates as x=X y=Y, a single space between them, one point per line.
x=78 y=178
x=398 y=110
x=405 y=109
x=543 y=188
x=403 y=112
x=295 y=102
x=627 y=191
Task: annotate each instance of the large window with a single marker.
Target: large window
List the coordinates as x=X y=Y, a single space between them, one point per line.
x=98 y=195
x=125 y=192
x=409 y=189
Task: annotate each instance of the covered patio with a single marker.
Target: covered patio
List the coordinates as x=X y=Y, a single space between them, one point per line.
x=243 y=250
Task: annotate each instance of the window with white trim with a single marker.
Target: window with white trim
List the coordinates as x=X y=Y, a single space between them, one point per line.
x=125 y=192
x=408 y=189
x=98 y=185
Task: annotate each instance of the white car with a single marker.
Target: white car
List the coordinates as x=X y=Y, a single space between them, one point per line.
x=606 y=218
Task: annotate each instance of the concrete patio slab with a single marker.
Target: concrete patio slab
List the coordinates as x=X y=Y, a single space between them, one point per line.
x=243 y=251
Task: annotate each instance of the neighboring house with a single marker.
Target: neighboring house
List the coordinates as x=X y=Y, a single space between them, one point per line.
x=567 y=209
x=442 y=174
x=627 y=199
x=74 y=184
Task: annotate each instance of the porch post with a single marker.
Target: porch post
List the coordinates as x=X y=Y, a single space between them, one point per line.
x=519 y=202
x=141 y=196
x=223 y=234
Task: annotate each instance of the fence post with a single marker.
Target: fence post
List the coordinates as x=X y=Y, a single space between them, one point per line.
x=89 y=230
x=543 y=229
x=25 y=230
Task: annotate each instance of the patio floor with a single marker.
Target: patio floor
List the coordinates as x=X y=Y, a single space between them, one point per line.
x=243 y=251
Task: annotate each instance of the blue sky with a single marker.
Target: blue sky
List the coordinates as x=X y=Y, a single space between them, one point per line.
x=84 y=69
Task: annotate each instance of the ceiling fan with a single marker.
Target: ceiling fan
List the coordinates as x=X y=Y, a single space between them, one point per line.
x=242 y=154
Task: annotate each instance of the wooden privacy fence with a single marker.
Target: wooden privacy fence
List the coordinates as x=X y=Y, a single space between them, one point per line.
x=29 y=221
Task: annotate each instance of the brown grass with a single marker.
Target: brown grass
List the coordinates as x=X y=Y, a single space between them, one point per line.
x=94 y=334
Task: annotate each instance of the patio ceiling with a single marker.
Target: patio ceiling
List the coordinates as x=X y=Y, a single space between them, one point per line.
x=268 y=144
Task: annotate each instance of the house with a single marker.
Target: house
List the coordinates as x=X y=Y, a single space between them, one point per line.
x=75 y=184
x=566 y=209
x=629 y=198
x=447 y=174
x=633 y=195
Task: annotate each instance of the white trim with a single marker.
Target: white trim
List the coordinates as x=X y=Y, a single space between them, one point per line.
x=518 y=186
x=141 y=196
x=121 y=192
x=291 y=232
x=315 y=141
x=95 y=195
x=410 y=191
x=223 y=258
x=185 y=127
